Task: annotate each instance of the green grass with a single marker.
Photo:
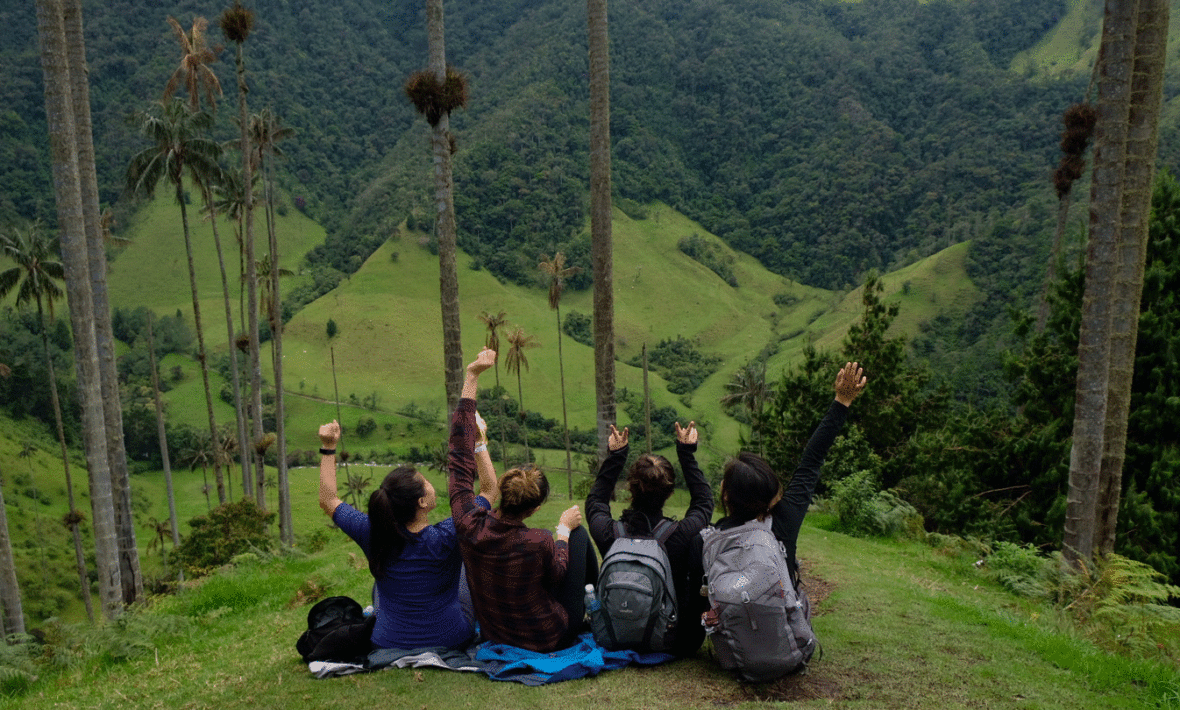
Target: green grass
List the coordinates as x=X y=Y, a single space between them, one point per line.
x=902 y=625
x=389 y=333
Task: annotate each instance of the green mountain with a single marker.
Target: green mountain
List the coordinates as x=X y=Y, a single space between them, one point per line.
x=822 y=137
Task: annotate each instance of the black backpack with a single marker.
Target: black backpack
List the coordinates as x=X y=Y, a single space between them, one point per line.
x=337 y=630
x=637 y=593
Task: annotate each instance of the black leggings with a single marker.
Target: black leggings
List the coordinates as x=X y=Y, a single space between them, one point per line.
x=570 y=593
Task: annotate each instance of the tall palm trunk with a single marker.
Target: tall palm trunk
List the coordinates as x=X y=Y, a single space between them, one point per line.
x=104 y=335
x=444 y=205
x=257 y=486
x=601 y=248
x=565 y=422
x=1146 y=95
x=286 y=534
x=1094 y=339
x=162 y=435
x=75 y=262
x=14 y=615
x=202 y=354
x=524 y=429
x=73 y=518
x=239 y=407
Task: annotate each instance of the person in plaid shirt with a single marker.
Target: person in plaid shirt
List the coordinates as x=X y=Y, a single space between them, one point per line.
x=526 y=583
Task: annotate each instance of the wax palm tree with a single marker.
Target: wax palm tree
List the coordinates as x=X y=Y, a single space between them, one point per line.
x=436 y=92
x=749 y=390
x=66 y=108
x=1144 y=110
x=34 y=278
x=601 y=247
x=1130 y=82
x=194 y=72
x=162 y=435
x=179 y=147
x=197 y=453
x=518 y=342
x=14 y=616
x=196 y=76
x=211 y=208
x=237 y=23
x=494 y=323
x=267 y=131
x=229 y=199
x=557 y=272
x=99 y=314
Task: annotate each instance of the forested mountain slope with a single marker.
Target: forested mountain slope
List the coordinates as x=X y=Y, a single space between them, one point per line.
x=821 y=137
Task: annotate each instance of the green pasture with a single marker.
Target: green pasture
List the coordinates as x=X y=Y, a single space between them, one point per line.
x=389 y=333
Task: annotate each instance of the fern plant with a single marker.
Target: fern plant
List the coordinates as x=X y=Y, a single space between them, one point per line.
x=1123 y=606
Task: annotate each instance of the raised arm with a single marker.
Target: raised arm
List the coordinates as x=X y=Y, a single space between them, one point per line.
x=489 y=486
x=329 y=437
x=599 y=522
x=461 y=465
x=700 y=504
x=787 y=514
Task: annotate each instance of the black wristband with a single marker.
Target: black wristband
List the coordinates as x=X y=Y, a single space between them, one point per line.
x=328 y=452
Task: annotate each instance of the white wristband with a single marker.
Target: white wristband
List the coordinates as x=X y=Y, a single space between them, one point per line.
x=563 y=530
x=480 y=448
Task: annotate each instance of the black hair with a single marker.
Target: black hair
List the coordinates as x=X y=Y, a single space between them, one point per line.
x=651 y=480
x=748 y=486
x=391 y=508
x=522 y=489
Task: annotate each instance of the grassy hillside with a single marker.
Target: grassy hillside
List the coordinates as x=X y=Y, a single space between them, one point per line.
x=903 y=625
x=152 y=270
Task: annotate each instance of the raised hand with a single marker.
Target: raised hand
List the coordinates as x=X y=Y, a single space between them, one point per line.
x=850 y=382
x=483 y=361
x=618 y=439
x=330 y=434
x=687 y=435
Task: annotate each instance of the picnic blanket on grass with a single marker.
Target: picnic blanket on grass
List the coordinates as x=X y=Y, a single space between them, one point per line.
x=500 y=661
x=585 y=658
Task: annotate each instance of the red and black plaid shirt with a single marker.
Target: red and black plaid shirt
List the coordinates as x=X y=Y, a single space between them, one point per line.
x=510 y=567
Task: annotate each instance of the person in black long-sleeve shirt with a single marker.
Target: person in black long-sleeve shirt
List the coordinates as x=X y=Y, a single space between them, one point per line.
x=651 y=479
x=750 y=489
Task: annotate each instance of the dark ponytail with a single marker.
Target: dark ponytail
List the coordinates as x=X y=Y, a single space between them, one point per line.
x=391 y=508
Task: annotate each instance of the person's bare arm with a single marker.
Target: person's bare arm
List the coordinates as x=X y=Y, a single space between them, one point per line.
x=489 y=486
x=329 y=437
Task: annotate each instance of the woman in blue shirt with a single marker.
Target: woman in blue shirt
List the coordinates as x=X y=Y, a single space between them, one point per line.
x=416 y=565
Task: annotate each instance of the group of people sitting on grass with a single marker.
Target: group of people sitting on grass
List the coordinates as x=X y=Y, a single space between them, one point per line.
x=485 y=568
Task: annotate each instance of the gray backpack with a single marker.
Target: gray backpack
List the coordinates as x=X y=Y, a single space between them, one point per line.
x=759 y=624
x=636 y=592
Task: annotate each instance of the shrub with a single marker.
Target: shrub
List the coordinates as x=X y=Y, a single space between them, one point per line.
x=579 y=327
x=1019 y=569
x=365 y=426
x=710 y=256
x=862 y=509
x=225 y=531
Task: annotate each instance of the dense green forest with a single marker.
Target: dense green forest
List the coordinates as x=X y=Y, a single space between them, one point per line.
x=824 y=138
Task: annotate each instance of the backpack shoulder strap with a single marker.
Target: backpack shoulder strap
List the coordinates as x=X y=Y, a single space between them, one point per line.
x=620 y=531
x=663 y=531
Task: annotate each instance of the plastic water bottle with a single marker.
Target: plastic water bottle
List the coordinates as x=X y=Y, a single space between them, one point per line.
x=597 y=620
